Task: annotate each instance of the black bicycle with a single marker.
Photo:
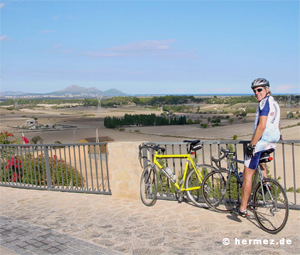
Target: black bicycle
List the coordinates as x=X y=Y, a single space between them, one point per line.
x=221 y=189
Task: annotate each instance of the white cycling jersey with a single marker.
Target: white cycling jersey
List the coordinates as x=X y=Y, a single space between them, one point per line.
x=268 y=107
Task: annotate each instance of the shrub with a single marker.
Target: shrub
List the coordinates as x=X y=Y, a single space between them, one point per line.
x=28 y=169
x=7 y=138
x=36 y=139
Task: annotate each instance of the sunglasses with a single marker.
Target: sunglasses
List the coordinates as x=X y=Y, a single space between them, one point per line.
x=257 y=90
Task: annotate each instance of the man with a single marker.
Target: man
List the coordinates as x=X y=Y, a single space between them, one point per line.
x=266 y=134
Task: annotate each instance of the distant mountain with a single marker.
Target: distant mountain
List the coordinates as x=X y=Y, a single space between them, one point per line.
x=113 y=92
x=71 y=91
x=75 y=90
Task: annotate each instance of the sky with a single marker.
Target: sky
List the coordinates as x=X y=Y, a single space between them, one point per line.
x=149 y=47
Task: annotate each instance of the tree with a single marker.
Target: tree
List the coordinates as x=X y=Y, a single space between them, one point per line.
x=36 y=139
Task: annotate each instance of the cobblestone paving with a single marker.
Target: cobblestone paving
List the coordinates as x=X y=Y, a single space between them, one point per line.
x=47 y=222
x=24 y=238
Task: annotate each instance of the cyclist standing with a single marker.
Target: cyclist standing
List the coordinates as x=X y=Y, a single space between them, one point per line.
x=266 y=134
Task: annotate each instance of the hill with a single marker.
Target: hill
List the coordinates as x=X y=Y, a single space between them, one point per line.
x=71 y=91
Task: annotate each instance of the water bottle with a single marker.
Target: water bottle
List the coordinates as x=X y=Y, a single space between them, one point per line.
x=241 y=177
x=170 y=173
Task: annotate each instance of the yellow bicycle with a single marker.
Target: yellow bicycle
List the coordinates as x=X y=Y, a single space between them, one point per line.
x=191 y=179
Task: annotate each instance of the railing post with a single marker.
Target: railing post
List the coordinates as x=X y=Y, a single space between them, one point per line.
x=48 y=174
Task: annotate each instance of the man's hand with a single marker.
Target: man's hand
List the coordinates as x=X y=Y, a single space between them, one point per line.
x=249 y=150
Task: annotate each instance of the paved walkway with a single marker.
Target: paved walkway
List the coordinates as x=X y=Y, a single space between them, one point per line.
x=48 y=222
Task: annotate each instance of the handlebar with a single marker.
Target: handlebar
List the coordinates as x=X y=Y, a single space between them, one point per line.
x=224 y=153
x=154 y=147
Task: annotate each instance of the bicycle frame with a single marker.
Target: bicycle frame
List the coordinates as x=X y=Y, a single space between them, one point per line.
x=235 y=169
x=188 y=160
x=262 y=178
x=258 y=172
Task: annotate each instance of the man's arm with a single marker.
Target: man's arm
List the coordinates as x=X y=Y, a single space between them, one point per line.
x=260 y=129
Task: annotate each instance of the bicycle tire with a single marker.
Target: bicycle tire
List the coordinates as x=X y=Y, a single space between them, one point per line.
x=214 y=193
x=143 y=157
x=195 y=196
x=273 y=215
x=149 y=185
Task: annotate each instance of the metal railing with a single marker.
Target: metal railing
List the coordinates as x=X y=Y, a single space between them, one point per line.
x=64 y=167
x=84 y=167
x=285 y=167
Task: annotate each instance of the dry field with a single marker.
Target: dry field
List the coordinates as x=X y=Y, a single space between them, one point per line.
x=88 y=120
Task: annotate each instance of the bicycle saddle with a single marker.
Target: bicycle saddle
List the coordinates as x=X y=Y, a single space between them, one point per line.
x=265 y=156
x=194 y=145
x=192 y=142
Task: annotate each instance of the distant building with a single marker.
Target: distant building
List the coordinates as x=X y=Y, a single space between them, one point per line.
x=31 y=123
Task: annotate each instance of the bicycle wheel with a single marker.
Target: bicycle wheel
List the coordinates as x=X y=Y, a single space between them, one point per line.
x=192 y=181
x=220 y=195
x=272 y=214
x=149 y=185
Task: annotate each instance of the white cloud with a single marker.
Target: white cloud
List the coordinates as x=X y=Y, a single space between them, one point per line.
x=133 y=48
x=226 y=90
x=61 y=51
x=46 y=31
x=4 y=37
x=103 y=54
x=2 y=5
x=285 y=88
x=145 y=45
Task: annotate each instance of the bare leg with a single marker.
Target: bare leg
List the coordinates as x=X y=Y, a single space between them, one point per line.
x=264 y=170
x=247 y=187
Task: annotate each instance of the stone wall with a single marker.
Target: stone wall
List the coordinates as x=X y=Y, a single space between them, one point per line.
x=124 y=169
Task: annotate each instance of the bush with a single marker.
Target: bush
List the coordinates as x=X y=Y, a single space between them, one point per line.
x=7 y=138
x=28 y=169
x=36 y=139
